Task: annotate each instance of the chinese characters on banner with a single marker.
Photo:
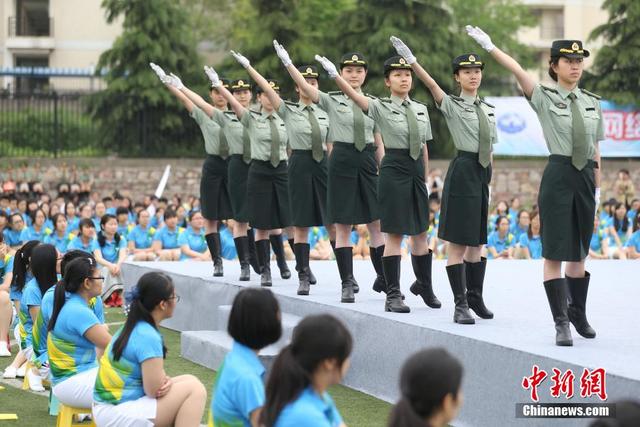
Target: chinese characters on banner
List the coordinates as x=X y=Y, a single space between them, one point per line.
x=591 y=383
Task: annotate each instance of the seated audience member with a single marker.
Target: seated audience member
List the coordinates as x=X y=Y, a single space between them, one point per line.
x=599 y=245
x=529 y=244
x=633 y=244
x=165 y=241
x=111 y=254
x=60 y=236
x=140 y=238
x=86 y=238
x=620 y=231
x=500 y=242
x=192 y=241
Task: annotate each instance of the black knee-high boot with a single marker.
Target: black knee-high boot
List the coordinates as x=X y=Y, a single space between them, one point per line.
x=475 y=281
x=379 y=285
x=242 y=247
x=264 y=255
x=278 y=249
x=302 y=267
x=578 y=288
x=458 y=287
x=556 y=290
x=422 y=286
x=344 y=259
x=391 y=267
x=213 y=242
x=253 y=256
x=312 y=278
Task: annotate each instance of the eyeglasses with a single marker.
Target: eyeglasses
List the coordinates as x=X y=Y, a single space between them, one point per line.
x=176 y=297
x=96 y=278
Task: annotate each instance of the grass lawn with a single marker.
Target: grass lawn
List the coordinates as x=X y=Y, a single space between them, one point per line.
x=357 y=409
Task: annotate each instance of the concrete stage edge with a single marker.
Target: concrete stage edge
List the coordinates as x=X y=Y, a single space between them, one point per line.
x=496 y=353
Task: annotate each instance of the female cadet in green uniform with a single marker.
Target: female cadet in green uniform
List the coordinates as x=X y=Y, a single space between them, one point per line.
x=214 y=194
x=402 y=191
x=352 y=169
x=465 y=197
x=572 y=124
x=307 y=126
x=267 y=181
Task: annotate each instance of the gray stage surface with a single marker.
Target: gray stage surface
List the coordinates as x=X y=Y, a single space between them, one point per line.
x=496 y=353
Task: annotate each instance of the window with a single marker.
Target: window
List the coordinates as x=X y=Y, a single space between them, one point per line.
x=32 y=84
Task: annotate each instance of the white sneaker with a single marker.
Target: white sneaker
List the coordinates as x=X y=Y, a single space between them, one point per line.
x=4 y=349
x=9 y=372
x=35 y=381
x=20 y=372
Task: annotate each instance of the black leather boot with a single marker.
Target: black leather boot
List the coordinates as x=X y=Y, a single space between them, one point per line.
x=556 y=290
x=253 y=256
x=578 y=288
x=391 y=267
x=302 y=266
x=264 y=253
x=344 y=259
x=278 y=249
x=312 y=278
x=457 y=282
x=213 y=242
x=379 y=285
x=475 y=281
x=422 y=286
x=242 y=247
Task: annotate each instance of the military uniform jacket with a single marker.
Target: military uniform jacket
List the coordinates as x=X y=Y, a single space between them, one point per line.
x=462 y=120
x=553 y=107
x=391 y=117
x=232 y=129
x=210 y=131
x=296 y=120
x=340 y=110
x=257 y=123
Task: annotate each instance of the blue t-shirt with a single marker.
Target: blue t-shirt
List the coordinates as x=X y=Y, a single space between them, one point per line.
x=78 y=244
x=73 y=223
x=110 y=250
x=596 y=239
x=31 y=297
x=12 y=237
x=168 y=238
x=534 y=245
x=120 y=380
x=96 y=222
x=141 y=237
x=310 y=410
x=634 y=241
x=123 y=230
x=239 y=388
x=6 y=266
x=517 y=231
x=61 y=243
x=195 y=241
x=494 y=241
x=30 y=233
x=70 y=353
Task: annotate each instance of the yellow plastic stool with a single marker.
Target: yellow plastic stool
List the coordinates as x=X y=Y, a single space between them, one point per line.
x=66 y=414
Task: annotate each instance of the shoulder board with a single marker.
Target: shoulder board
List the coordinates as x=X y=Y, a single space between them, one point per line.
x=255 y=112
x=586 y=92
x=371 y=96
x=486 y=103
x=293 y=104
x=230 y=112
x=457 y=98
x=549 y=89
x=334 y=92
x=419 y=102
x=387 y=100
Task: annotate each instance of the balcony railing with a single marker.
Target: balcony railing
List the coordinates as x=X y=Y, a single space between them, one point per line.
x=35 y=25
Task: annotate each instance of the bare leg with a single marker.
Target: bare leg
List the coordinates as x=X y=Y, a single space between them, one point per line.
x=184 y=404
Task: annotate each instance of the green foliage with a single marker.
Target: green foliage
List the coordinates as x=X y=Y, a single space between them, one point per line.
x=614 y=72
x=135 y=110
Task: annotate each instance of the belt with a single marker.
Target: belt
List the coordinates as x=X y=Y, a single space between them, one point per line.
x=467 y=154
x=557 y=158
x=368 y=147
x=296 y=151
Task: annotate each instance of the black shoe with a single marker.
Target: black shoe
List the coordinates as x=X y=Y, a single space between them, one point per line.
x=393 y=303
x=312 y=278
x=253 y=256
x=263 y=251
x=578 y=289
x=457 y=281
x=278 y=249
x=475 y=281
x=213 y=243
x=245 y=272
x=556 y=290
x=242 y=247
x=344 y=259
x=422 y=286
x=302 y=266
x=217 y=268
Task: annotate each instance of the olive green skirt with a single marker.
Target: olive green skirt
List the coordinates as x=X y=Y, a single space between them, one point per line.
x=307 y=189
x=268 y=195
x=404 y=202
x=465 y=201
x=238 y=172
x=214 y=190
x=567 y=207
x=352 y=182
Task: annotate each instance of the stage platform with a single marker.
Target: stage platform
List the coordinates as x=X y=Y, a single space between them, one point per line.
x=496 y=353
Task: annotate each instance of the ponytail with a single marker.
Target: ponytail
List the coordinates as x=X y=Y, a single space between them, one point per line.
x=21 y=265
x=151 y=289
x=315 y=339
x=44 y=258
x=403 y=415
x=75 y=273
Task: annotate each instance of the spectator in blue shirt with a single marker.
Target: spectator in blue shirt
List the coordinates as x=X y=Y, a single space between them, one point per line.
x=72 y=220
x=529 y=243
x=140 y=238
x=502 y=209
x=60 y=237
x=634 y=208
x=599 y=245
x=192 y=242
x=633 y=244
x=111 y=254
x=620 y=231
x=6 y=312
x=100 y=211
x=165 y=241
x=86 y=238
x=12 y=234
x=318 y=357
x=500 y=242
x=514 y=210
x=122 y=216
x=36 y=231
x=521 y=225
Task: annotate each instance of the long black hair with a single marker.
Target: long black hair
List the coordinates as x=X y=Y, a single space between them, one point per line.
x=44 y=258
x=620 y=225
x=21 y=264
x=102 y=239
x=75 y=273
x=315 y=339
x=151 y=290
x=426 y=378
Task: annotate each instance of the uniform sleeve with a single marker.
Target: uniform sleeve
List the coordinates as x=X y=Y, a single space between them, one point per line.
x=249 y=394
x=96 y=305
x=247 y=119
x=283 y=110
x=157 y=237
x=428 y=132
x=219 y=117
x=324 y=100
x=336 y=419
x=123 y=242
x=447 y=106
x=31 y=296
x=83 y=320
x=183 y=239
x=148 y=345
x=198 y=115
x=539 y=99
x=600 y=130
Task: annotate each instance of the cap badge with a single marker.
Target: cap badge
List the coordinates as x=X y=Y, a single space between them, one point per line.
x=354 y=58
x=575 y=46
x=472 y=58
x=402 y=61
x=309 y=70
x=272 y=84
x=240 y=83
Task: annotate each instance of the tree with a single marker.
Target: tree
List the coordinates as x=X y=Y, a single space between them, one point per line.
x=135 y=113
x=614 y=72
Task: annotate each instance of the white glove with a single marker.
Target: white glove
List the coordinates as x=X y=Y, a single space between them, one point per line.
x=174 y=81
x=597 y=196
x=159 y=72
x=282 y=54
x=213 y=76
x=242 y=60
x=480 y=37
x=328 y=66
x=403 y=50
x=489 y=199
